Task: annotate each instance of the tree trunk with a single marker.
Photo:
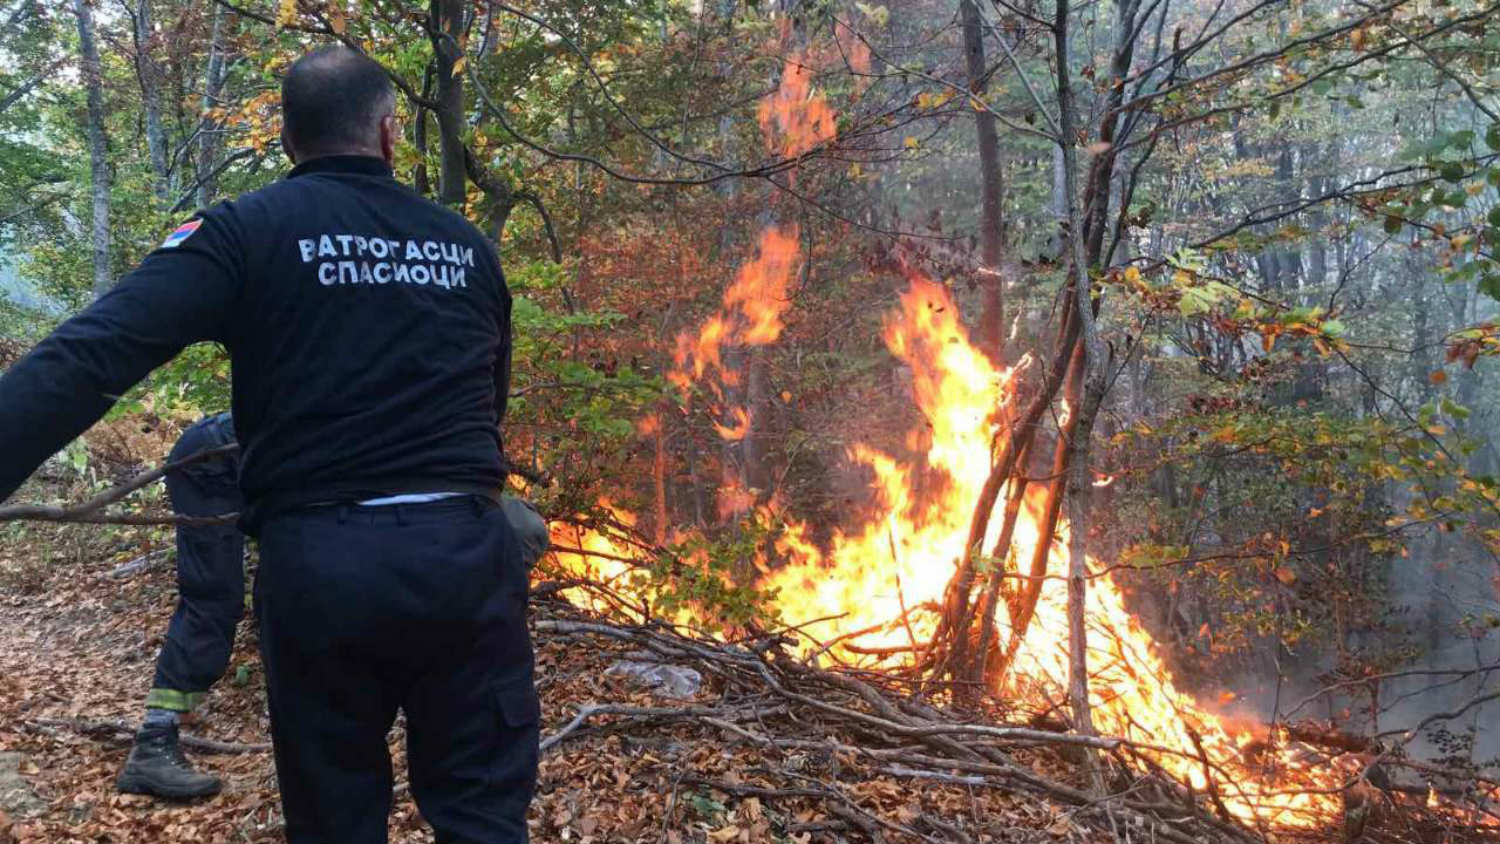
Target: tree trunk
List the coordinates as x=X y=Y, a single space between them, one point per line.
x=1024 y=607
x=991 y=221
x=421 y=182
x=1093 y=375
x=210 y=144
x=757 y=473
x=149 y=76
x=98 y=144
x=447 y=26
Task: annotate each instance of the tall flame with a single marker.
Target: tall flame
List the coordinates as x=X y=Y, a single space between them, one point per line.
x=903 y=557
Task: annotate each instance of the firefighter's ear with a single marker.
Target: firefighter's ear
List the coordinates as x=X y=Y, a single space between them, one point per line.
x=287 y=148
x=388 y=133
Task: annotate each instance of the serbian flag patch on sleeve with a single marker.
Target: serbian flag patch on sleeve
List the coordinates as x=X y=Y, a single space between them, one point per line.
x=182 y=233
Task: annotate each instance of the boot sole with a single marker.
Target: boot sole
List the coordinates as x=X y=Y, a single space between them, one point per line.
x=135 y=784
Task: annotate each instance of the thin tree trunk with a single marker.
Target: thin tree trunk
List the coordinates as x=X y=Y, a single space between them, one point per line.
x=447 y=26
x=991 y=221
x=757 y=473
x=98 y=144
x=659 y=475
x=148 y=75
x=1093 y=380
x=210 y=145
x=421 y=182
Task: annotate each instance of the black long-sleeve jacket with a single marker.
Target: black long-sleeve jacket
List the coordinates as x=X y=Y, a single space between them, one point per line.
x=369 y=331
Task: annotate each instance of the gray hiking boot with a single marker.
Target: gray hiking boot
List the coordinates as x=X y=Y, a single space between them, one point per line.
x=157 y=767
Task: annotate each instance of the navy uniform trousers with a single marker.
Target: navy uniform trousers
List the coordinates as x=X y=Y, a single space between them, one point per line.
x=210 y=569
x=416 y=607
x=364 y=610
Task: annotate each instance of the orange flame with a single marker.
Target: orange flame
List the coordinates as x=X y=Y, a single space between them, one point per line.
x=738 y=430
x=903 y=557
x=750 y=316
x=796 y=118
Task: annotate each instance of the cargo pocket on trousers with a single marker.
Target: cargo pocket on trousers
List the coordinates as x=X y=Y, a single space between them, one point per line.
x=514 y=763
x=518 y=702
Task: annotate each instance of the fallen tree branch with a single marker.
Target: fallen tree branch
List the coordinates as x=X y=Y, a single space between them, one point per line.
x=124 y=733
x=706 y=713
x=842 y=714
x=90 y=509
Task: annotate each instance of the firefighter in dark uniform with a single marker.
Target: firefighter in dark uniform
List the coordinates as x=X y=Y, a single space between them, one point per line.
x=369 y=332
x=211 y=599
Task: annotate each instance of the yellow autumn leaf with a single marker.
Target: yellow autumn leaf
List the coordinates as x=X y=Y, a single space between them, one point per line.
x=910 y=142
x=1133 y=275
x=286 y=13
x=458 y=66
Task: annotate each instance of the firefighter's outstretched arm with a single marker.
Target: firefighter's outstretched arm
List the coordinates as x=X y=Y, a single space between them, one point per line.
x=179 y=295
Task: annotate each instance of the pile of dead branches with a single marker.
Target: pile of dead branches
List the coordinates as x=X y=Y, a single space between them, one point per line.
x=774 y=701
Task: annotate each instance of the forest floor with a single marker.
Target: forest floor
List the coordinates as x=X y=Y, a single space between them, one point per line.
x=764 y=749
x=77 y=645
x=83 y=609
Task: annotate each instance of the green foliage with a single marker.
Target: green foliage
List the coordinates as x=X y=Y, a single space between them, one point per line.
x=599 y=401
x=195 y=383
x=705 y=579
x=1462 y=210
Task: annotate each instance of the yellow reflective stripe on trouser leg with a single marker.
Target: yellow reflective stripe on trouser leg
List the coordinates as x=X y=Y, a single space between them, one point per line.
x=174 y=700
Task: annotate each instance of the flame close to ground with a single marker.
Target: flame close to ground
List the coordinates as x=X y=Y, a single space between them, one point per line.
x=874 y=573
x=871 y=575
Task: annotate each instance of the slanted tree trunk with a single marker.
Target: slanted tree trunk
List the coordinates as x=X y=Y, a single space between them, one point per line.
x=446 y=27
x=991 y=222
x=93 y=84
x=19 y=93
